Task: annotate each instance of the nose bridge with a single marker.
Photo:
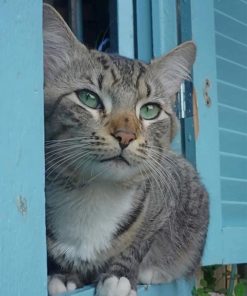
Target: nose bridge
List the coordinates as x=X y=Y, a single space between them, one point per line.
x=124 y=122
x=124 y=128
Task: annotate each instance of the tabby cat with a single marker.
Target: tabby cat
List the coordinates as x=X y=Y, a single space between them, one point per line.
x=122 y=208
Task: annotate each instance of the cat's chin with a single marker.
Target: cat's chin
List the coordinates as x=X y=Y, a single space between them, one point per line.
x=115 y=169
x=116 y=161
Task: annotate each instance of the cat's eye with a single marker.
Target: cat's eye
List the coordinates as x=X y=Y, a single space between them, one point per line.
x=90 y=99
x=150 y=111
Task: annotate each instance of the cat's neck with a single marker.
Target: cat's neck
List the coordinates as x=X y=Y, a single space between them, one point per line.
x=102 y=187
x=83 y=183
x=91 y=188
x=93 y=211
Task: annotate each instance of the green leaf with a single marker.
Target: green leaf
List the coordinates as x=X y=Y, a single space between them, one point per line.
x=203 y=283
x=240 y=289
x=244 y=281
x=201 y=292
x=193 y=292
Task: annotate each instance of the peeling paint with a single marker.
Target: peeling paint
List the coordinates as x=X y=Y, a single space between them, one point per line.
x=21 y=204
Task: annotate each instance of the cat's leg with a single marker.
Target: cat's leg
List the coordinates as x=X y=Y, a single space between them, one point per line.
x=168 y=260
x=121 y=277
x=115 y=286
x=61 y=283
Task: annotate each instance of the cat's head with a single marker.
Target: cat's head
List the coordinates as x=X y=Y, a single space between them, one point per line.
x=107 y=116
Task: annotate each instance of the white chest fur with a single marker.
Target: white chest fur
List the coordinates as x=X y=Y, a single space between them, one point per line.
x=84 y=220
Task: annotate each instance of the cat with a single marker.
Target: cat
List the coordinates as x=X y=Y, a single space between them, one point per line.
x=121 y=207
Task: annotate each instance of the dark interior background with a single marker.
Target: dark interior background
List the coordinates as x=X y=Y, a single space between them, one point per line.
x=93 y=21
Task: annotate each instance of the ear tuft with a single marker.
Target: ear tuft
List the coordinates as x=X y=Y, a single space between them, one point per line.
x=173 y=68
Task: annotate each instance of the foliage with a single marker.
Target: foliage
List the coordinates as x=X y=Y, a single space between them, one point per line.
x=241 y=288
x=209 y=282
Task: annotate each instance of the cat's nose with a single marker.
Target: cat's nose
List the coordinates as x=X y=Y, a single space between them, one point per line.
x=124 y=137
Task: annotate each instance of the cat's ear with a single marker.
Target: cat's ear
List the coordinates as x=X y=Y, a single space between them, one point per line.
x=173 y=68
x=59 y=42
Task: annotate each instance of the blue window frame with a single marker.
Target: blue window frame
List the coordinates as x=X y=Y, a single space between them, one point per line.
x=146 y=28
x=22 y=203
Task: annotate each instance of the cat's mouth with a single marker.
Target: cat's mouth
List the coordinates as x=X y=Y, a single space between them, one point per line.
x=118 y=159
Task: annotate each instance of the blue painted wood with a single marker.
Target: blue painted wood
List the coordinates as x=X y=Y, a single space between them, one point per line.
x=230 y=24
x=233 y=119
x=229 y=72
x=233 y=212
x=125 y=28
x=230 y=27
x=164 y=26
x=236 y=9
x=207 y=144
x=22 y=210
x=144 y=30
x=232 y=95
x=233 y=166
x=234 y=189
x=231 y=50
x=222 y=136
x=233 y=143
x=234 y=245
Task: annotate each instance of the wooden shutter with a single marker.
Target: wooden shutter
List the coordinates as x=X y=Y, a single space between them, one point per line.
x=220 y=76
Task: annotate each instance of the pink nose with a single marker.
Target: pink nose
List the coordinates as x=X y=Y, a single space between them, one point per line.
x=124 y=137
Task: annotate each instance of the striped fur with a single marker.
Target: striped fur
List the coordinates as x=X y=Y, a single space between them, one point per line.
x=116 y=222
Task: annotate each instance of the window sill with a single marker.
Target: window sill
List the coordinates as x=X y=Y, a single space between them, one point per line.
x=180 y=287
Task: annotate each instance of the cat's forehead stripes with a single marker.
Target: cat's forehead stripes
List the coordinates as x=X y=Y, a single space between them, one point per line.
x=130 y=70
x=122 y=72
x=100 y=81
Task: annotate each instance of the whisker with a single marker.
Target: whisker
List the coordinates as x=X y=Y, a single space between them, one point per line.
x=57 y=164
x=72 y=161
x=68 y=139
x=97 y=175
x=64 y=149
x=81 y=161
x=162 y=176
x=53 y=159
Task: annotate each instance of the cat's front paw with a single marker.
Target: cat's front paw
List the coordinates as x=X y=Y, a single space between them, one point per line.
x=59 y=284
x=114 y=286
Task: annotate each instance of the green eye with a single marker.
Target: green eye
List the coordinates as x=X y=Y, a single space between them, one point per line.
x=89 y=99
x=150 y=111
